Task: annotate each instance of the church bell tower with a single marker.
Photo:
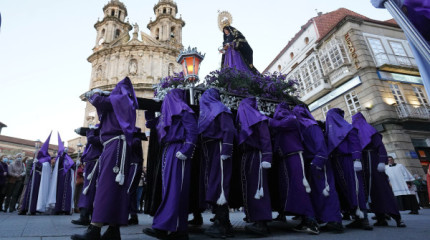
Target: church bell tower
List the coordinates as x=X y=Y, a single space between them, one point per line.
x=166 y=27
x=113 y=28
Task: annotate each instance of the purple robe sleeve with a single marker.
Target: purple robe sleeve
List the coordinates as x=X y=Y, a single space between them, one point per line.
x=354 y=144
x=265 y=141
x=315 y=141
x=226 y=122
x=190 y=124
x=102 y=103
x=380 y=147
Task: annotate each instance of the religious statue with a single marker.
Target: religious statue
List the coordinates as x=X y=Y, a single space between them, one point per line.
x=236 y=51
x=133 y=67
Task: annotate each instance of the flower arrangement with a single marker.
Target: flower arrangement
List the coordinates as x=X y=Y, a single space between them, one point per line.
x=272 y=86
x=177 y=80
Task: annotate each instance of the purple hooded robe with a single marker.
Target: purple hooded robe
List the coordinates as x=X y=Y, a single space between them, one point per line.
x=344 y=147
x=378 y=190
x=177 y=128
x=293 y=186
x=117 y=114
x=324 y=196
x=31 y=192
x=254 y=138
x=217 y=131
x=90 y=157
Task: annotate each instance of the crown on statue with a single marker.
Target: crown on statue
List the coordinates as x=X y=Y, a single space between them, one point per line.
x=224 y=19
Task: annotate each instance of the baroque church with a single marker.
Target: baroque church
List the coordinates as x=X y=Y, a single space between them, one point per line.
x=120 y=52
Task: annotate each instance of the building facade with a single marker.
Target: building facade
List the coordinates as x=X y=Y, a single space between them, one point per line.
x=345 y=60
x=121 y=50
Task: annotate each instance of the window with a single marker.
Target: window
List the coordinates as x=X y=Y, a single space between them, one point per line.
x=306 y=40
x=325 y=109
x=164 y=10
x=421 y=96
x=279 y=68
x=378 y=51
x=308 y=75
x=400 y=53
x=119 y=14
x=352 y=103
x=112 y=13
x=291 y=55
x=398 y=95
x=332 y=56
x=117 y=33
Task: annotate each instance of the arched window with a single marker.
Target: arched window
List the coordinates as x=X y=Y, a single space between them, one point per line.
x=291 y=55
x=119 y=14
x=164 y=10
x=112 y=13
x=279 y=67
x=157 y=34
x=103 y=32
x=172 y=32
x=117 y=33
x=306 y=40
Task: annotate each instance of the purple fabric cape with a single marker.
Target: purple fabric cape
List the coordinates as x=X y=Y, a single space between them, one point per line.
x=304 y=116
x=337 y=128
x=365 y=130
x=418 y=12
x=247 y=116
x=124 y=105
x=173 y=105
x=210 y=107
x=43 y=154
x=68 y=161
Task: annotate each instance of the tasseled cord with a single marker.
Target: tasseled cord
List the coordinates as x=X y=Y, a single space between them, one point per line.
x=221 y=200
x=260 y=191
x=120 y=176
x=358 y=212
x=90 y=178
x=305 y=181
x=326 y=191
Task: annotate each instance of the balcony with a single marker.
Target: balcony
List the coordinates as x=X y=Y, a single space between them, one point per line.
x=407 y=111
x=317 y=89
x=396 y=63
x=341 y=74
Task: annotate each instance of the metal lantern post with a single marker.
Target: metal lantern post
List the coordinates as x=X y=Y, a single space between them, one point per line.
x=190 y=60
x=36 y=148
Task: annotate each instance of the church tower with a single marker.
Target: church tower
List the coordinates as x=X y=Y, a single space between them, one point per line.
x=113 y=26
x=166 y=27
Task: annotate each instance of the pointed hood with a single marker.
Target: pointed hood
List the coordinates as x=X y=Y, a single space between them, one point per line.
x=365 y=130
x=248 y=116
x=124 y=103
x=43 y=154
x=68 y=161
x=210 y=107
x=337 y=128
x=173 y=105
x=304 y=115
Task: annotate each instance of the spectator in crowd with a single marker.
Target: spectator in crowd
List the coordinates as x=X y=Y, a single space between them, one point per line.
x=3 y=179
x=421 y=190
x=78 y=186
x=141 y=190
x=16 y=172
x=28 y=166
x=399 y=178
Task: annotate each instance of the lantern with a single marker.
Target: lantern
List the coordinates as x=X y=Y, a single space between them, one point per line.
x=190 y=60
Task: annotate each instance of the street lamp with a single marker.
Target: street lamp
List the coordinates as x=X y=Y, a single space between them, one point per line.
x=190 y=60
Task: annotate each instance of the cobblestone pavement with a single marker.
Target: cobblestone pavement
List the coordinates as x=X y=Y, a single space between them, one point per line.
x=14 y=227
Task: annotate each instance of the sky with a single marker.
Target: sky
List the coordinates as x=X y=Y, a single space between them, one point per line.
x=44 y=46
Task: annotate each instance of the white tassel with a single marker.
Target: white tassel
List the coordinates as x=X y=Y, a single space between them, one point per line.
x=359 y=213
x=261 y=192
x=119 y=178
x=86 y=190
x=257 y=194
x=90 y=176
x=326 y=191
x=221 y=200
x=306 y=184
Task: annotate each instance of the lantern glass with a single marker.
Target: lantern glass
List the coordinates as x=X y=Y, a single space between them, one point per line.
x=190 y=64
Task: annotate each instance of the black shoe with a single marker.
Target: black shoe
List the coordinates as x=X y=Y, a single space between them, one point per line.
x=374 y=218
x=333 y=227
x=217 y=230
x=381 y=223
x=259 y=228
x=307 y=228
x=160 y=234
x=197 y=221
x=280 y=218
x=133 y=220
x=81 y=221
x=297 y=218
x=360 y=224
x=92 y=233
x=400 y=224
x=21 y=213
x=177 y=236
x=112 y=233
x=346 y=217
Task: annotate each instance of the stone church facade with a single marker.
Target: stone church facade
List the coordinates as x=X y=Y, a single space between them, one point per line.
x=121 y=50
